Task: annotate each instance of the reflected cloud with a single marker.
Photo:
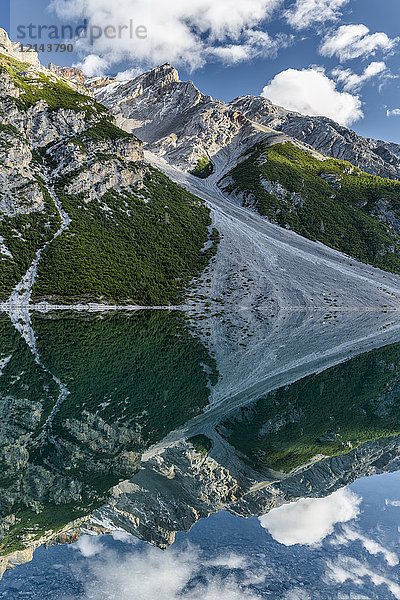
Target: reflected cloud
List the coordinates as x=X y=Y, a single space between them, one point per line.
x=349 y=569
x=392 y=502
x=371 y=546
x=89 y=545
x=152 y=573
x=309 y=520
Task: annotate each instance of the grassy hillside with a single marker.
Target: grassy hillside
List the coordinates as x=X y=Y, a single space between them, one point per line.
x=137 y=246
x=329 y=413
x=330 y=201
x=35 y=86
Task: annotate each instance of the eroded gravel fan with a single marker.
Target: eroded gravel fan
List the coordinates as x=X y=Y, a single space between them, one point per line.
x=79 y=206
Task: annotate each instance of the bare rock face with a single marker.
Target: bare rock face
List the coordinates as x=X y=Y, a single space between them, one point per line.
x=71 y=73
x=42 y=127
x=174 y=119
x=11 y=49
x=96 y=83
x=186 y=484
x=20 y=190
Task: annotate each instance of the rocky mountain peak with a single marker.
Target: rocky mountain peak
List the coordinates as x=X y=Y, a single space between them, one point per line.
x=71 y=73
x=11 y=49
x=156 y=79
x=166 y=73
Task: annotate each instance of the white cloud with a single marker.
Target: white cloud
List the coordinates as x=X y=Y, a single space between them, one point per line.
x=310 y=520
x=308 y=12
x=354 y=41
x=229 y=561
x=350 y=569
x=256 y=44
x=93 y=65
x=371 y=546
x=353 y=82
x=395 y=112
x=311 y=92
x=123 y=536
x=145 y=574
x=89 y=545
x=129 y=74
x=181 y=32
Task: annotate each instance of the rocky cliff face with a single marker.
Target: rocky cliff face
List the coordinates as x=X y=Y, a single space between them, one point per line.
x=12 y=50
x=71 y=73
x=175 y=119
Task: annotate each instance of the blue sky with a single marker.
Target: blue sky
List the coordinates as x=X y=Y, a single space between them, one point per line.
x=333 y=57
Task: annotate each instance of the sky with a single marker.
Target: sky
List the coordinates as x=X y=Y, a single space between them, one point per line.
x=338 y=58
x=342 y=546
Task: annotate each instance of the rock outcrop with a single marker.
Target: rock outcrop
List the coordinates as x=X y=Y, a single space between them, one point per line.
x=70 y=73
x=13 y=50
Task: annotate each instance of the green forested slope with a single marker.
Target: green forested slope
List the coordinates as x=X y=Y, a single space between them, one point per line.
x=134 y=236
x=326 y=200
x=325 y=414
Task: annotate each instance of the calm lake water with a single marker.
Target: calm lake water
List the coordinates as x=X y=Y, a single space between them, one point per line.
x=148 y=456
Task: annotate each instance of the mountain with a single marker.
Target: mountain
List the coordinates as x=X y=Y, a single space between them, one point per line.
x=180 y=123
x=82 y=216
x=324 y=135
x=152 y=420
x=272 y=160
x=303 y=440
x=175 y=120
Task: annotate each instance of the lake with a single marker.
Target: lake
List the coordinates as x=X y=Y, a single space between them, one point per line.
x=163 y=453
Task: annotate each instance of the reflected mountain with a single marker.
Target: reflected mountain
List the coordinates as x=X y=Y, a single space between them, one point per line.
x=73 y=429
x=151 y=421
x=321 y=415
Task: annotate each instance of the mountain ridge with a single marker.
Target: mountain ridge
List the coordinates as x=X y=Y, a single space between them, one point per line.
x=219 y=123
